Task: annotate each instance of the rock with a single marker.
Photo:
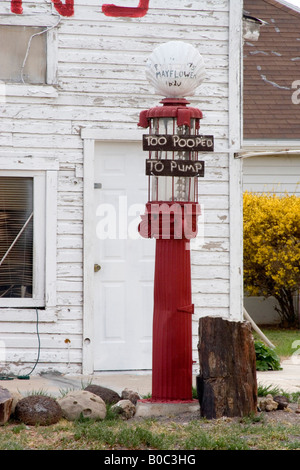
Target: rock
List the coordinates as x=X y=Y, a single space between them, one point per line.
x=5 y=405
x=108 y=396
x=82 y=403
x=125 y=408
x=268 y=404
x=130 y=395
x=38 y=410
x=16 y=396
x=282 y=402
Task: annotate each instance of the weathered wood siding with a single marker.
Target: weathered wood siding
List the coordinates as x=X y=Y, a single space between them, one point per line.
x=101 y=84
x=278 y=174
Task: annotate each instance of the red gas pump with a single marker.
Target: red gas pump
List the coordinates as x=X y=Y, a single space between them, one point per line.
x=174 y=142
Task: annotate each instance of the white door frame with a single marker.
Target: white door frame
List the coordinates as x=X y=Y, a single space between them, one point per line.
x=90 y=136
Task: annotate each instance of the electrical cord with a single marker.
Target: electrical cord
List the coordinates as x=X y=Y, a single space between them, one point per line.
x=27 y=376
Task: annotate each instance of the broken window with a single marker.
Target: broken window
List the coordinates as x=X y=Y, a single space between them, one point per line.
x=16 y=237
x=23 y=54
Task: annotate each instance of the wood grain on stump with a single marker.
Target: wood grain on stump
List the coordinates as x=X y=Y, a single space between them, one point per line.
x=227 y=383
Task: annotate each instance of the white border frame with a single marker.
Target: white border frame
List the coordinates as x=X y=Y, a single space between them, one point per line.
x=235 y=165
x=37 y=299
x=45 y=173
x=90 y=136
x=42 y=21
x=253 y=145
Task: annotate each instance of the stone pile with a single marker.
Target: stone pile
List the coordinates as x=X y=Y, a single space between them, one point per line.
x=279 y=402
x=89 y=403
x=267 y=403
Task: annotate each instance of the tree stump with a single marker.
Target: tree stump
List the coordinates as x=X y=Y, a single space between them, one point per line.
x=227 y=383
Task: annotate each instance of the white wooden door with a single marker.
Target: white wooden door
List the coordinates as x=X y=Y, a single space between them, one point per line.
x=123 y=293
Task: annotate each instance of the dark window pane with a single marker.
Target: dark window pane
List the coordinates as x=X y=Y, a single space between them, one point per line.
x=16 y=236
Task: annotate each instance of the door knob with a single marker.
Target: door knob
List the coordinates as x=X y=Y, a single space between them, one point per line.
x=97 y=268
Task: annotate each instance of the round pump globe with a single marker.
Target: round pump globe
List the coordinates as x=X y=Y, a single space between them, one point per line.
x=175 y=69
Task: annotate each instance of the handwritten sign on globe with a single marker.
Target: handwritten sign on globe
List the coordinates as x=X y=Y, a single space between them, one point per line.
x=175 y=69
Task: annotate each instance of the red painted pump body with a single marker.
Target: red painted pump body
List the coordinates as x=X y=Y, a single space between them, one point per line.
x=172 y=322
x=173 y=308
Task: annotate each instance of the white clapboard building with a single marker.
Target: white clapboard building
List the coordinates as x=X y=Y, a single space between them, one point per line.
x=71 y=162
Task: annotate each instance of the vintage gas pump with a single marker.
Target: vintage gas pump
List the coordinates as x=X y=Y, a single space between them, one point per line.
x=173 y=142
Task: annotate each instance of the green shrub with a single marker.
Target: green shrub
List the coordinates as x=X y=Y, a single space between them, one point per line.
x=266 y=358
x=272 y=250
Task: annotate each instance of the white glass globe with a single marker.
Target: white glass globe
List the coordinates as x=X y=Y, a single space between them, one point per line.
x=175 y=69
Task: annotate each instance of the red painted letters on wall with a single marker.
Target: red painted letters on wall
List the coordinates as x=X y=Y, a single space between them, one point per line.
x=137 y=12
x=16 y=7
x=64 y=9
x=67 y=8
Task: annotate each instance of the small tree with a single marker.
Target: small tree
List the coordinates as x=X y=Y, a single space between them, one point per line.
x=272 y=249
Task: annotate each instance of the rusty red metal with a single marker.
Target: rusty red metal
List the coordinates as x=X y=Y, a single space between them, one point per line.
x=172 y=108
x=173 y=224
x=168 y=220
x=172 y=322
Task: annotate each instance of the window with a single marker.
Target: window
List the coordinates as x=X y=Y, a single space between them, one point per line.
x=22 y=238
x=19 y=64
x=16 y=237
x=29 y=51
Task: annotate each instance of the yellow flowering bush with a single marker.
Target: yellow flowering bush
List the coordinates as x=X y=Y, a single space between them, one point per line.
x=272 y=249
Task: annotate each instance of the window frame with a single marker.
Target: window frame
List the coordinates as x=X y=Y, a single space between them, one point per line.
x=44 y=236
x=41 y=21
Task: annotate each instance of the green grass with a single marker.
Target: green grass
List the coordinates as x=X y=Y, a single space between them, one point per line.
x=284 y=340
x=248 y=433
x=264 y=390
x=251 y=433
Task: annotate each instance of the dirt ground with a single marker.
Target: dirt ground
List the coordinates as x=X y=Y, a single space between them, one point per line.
x=288 y=415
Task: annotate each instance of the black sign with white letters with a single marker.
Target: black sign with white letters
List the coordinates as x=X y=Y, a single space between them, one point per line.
x=180 y=143
x=185 y=168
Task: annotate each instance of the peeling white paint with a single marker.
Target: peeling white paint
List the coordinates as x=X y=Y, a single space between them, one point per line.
x=275 y=27
x=101 y=85
x=274 y=84
x=259 y=52
x=270 y=82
